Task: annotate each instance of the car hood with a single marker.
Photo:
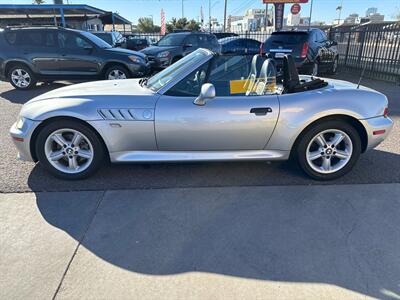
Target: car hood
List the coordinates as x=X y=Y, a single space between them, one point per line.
x=84 y=100
x=125 y=52
x=153 y=50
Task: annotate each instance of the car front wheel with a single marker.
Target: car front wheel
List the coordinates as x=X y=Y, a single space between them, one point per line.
x=69 y=149
x=116 y=72
x=329 y=150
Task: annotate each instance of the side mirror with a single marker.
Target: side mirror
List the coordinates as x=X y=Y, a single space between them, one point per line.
x=207 y=93
x=88 y=48
x=187 y=46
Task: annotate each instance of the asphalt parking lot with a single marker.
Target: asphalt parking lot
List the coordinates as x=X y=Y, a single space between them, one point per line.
x=382 y=165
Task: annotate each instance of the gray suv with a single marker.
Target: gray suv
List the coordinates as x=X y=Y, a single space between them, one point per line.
x=174 y=46
x=29 y=55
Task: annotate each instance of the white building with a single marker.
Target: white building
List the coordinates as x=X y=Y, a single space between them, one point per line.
x=371 y=11
x=351 y=19
x=253 y=20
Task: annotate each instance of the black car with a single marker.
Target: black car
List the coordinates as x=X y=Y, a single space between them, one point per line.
x=174 y=46
x=137 y=43
x=46 y=54
x=312 y=51
x=240 y=45
x=114 y=38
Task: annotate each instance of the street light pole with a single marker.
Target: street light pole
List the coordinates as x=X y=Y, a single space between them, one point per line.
x=226 y=2
x=182 y=10
x=309 y=21
x=209 y=13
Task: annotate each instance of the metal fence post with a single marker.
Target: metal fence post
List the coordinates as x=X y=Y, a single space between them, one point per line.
x=347 y=49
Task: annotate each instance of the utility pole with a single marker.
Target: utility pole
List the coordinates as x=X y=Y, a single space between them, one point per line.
x=309 y=21
x=226 y=3
x=209 y=13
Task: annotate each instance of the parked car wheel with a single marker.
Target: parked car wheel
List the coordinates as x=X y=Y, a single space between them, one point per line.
x=329 y=150
x=69 y=149
x=116 y=72
x=315 y=69
x=21 y=77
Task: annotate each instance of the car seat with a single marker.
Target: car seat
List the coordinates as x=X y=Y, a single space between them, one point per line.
x=252 y=78
x=291 y=80
x=267 y=76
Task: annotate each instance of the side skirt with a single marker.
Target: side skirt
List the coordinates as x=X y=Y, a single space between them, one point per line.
x=176 y=156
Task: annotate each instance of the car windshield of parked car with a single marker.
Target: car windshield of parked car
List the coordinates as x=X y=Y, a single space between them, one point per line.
x=172 y=40
x=159 y=80
x=96 y=40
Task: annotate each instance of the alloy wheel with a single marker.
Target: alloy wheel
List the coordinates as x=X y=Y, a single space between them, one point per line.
x=69 y=151
x=329 y=151
x=21 y=78
x=116 y=74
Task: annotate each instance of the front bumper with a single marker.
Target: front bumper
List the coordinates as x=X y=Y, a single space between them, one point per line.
x=378 y=129
x=22 y=138
x=139 y=70
x=157 y=64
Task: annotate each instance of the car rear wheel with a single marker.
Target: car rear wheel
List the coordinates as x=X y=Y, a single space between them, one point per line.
x=21 y=77
x=116 y=72
x=329 y=150
x=315 y=69
x=334 y=67
x=69 y=150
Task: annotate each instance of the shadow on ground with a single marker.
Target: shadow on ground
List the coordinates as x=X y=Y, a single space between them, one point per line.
x=374 y=166
x=348 y=238
x=21 y=97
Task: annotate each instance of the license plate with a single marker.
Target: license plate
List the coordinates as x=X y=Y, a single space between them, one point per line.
x=279 y=55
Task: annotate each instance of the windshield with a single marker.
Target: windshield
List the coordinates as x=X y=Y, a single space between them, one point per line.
x=172 y=40
x=96 y=40
x=159 y=80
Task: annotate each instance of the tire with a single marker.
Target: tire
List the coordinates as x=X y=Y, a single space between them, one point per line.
x=116 y=72
x=333 y=69
x=21 y=77
x=333 y=162
x=315 y=68
x=88 y=154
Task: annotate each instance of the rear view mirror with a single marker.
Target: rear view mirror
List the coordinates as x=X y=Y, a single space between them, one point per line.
x=207 y=93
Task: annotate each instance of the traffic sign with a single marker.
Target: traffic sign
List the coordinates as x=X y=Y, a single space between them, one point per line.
x=295 y=9
x=284 y=1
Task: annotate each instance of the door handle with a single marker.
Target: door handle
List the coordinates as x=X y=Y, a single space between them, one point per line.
x=260 y=111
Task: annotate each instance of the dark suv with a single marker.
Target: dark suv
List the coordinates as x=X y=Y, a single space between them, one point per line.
x=174 y=46
x=312 y=51
x=29 y=55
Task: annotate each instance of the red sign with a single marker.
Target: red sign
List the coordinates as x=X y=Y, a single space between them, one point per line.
x=284 y=1
x=295 y=9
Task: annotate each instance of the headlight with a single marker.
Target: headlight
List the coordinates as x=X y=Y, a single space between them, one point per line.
x=20 y=122
x=163 y=54
x=136 y=59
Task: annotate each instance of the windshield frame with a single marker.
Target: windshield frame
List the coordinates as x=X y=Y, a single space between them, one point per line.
x=183 y=72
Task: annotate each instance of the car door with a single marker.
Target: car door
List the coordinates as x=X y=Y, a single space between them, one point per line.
x=190 y=44
x=230 y=121
x=77 y=55
x=40 y=48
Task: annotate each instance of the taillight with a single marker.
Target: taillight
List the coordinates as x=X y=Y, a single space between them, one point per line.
x=386 y=112
x=304 y=50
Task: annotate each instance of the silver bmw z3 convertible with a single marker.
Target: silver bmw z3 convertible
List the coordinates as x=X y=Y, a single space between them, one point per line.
x=205 y=107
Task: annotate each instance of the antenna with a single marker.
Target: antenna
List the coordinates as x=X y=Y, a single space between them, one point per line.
x=361 y=77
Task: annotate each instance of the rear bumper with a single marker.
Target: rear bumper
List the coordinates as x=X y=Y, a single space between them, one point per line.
x=378 y=129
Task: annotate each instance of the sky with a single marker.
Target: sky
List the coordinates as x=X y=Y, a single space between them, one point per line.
x=323 y=10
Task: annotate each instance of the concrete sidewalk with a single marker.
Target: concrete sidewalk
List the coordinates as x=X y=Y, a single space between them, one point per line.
x=287 y=242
